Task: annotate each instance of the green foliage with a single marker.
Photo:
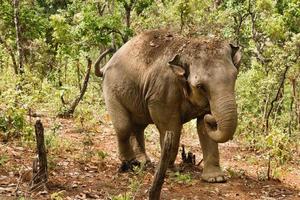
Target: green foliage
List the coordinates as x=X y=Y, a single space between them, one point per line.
x=52 y=161
x=55 y=143
x=57 y=195
x=3 y=159
x=13 y=121
x=125 y=196
x=134 y=185
x=275 y=27
x=101 y=154
x=181 y=178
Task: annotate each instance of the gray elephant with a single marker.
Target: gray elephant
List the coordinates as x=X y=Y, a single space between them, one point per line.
x=166 y=79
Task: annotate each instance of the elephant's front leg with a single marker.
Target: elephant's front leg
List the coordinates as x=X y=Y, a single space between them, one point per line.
x=212 y=171
x=176 y=129
x=166 y=119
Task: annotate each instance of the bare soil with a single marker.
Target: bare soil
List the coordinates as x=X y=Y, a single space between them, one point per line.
x=86 y=167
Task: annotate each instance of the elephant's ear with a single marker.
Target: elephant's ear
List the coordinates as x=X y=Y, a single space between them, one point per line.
x=177 y=66
x=236 y=55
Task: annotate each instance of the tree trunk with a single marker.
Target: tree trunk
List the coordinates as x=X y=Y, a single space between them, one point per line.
x=276 y=98
x=160 y=173
x=70 y=111
x=113 y=34
x=18 y=36
x=78 y=73
x=128 y=16
x=12 y=55
x=128 y=8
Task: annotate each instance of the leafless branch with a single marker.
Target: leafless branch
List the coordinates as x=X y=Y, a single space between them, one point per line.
x=276 y=97
x=70 y=111
x=11 y=53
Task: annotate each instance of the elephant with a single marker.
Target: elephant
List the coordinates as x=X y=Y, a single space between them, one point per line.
x=162 y=78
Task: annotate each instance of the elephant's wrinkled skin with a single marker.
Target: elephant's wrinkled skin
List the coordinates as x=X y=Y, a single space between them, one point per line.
x=162 y=78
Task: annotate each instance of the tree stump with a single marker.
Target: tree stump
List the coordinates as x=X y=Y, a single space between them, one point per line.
x=160 y=173
x=40 y=168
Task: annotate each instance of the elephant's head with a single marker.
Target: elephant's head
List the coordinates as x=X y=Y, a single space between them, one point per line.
x=212 y=74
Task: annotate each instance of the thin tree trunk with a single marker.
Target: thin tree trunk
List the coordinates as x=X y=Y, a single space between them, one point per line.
x=101 y=8
x=66 y=70
x=78 y=74
x=128 y=16
x=113 y=34
x=128 y=9
x=70 y=111
x=181 y=21
x=160 y=173
x=266 y=107
x=12 y=55
x=18 y=36
x=276 y=98
x=295 y=100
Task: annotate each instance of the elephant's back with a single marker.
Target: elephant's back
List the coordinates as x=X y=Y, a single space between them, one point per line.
x=158 y=46
x=146 y=51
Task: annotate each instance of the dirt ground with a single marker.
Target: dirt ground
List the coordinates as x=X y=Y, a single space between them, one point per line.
x=84 y=165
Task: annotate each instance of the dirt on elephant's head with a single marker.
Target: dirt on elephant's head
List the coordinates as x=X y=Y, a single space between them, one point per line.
x=163 y=42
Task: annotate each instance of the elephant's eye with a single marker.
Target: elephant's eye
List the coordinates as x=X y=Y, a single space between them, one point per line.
x=201 y=87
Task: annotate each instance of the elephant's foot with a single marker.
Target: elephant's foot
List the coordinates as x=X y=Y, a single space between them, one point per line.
x=143 y=158
x=129 y=165
x=213 y=174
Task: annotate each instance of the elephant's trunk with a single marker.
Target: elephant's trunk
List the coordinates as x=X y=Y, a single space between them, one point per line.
x=222 y=122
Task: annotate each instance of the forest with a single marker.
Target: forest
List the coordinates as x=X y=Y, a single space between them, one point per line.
x=50 y=54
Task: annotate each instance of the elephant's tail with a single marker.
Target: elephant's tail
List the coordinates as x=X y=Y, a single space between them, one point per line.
x=100 y=71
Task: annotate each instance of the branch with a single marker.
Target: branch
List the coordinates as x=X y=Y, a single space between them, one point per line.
x=98 y=71
x=277 y=96
x=70 y=111
x=101 y=8
x=12 y=55
x=239 y=22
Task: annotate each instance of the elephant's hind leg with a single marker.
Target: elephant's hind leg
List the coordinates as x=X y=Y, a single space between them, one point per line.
x=211 y=171
x=138 y=143
x=124 y=129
